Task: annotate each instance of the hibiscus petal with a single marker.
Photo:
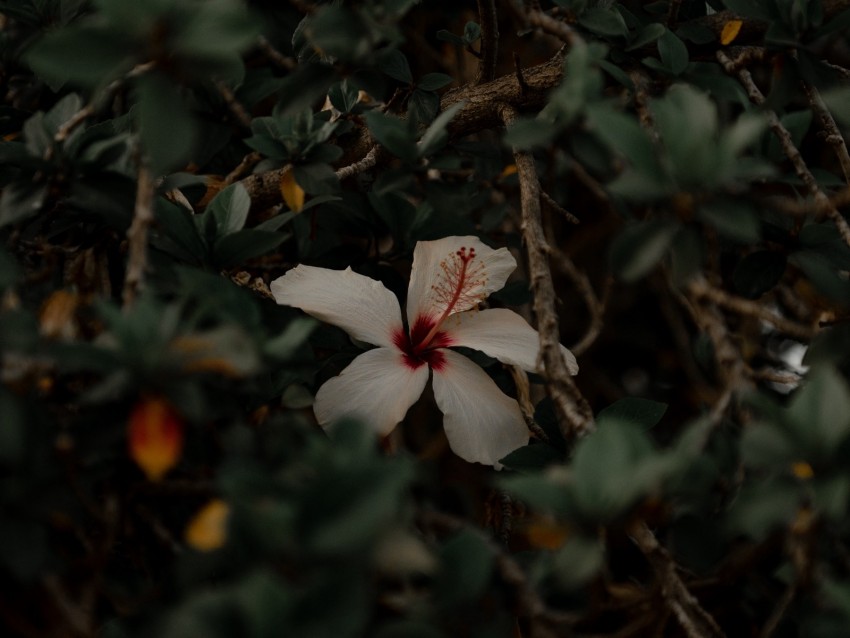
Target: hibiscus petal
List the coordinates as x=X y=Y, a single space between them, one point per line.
x=502 y=334
x=482 y=424
x=442 y=279
x=361 y=306
x=378 y=387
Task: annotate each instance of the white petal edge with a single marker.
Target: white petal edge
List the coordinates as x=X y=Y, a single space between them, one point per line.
x=482 y=424
x=502 y=334
x=361 y=306
x=426 y=272
x=376 y=388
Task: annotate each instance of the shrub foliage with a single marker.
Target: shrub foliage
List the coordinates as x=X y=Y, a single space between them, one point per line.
x=671 y=175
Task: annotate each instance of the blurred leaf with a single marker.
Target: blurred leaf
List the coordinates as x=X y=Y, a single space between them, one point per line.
x=466 y=567
x=639 y=247
x=155 y=437
x=646 y=35
x=207 y=531
x=234 y=249
x=579 y=560
x=284 y=345
x=642 y=412
x=735 y=219
x=535 y=456
x=167 y=129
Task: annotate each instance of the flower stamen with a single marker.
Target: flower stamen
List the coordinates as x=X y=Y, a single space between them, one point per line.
x=460 y=277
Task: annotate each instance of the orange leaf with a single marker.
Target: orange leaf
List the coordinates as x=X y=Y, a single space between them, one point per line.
x=292 y=193
x=730 y=31
x=57 y=315
x=155 y=437
x=207 y=531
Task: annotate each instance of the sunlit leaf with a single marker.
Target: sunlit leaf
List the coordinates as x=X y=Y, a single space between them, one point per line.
x=155 y=437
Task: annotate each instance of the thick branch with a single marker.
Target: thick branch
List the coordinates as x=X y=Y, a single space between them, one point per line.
x=574 y=416
x=479 y=112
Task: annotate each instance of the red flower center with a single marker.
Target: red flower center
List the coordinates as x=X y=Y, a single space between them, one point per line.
x=420 y=347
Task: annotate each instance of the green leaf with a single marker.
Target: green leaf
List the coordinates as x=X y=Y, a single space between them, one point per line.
x=396 y=66
x=579 y=560
x=820 y=411
x=436 y=134
x=642 y=412
x=673 y=52
x=758 y=272
x=448 y=36
x=181 y=229
x=602 y=21
x=434 y=81
x=647 y=34
x=20 y=201
x=83 y=55
x=637 y=249
x=466 y=568
x=235 y=248
x=423 y=106
x=529 y=132
x=316 y=179
x=393 y=133
x=735 y=219
x=471 y=32
x=284 y=345
x=167 y=129
x=230 y=209
x=532 y=457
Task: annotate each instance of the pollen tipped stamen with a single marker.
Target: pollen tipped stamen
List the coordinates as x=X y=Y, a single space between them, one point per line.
x=457 y=275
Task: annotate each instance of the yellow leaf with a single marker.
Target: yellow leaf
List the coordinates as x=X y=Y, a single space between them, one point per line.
x=730 y=31
x=509 y=170
x=292 y=193
x=802 y=470
x=155 y=437
x=57 y=315
x=207 y=531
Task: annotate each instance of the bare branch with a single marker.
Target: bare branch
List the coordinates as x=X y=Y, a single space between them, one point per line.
x=489 y=22
x=696 y=622
x=574 y=415
x=787 y=144
x=833 y=135
x=137 y=236
x=700 y=288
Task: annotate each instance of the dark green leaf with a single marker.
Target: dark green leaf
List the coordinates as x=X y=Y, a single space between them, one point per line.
x=674 y=53
x=759 y=272
x=639 y=247
x=230 y=209
x=167 y=129
x=602 y=21
x=396 y=66
x=235 y=248
x=434 y=81
x=642 y=412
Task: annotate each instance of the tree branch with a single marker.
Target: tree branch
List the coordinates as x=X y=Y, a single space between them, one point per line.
x=137 y=236
x=696 y=622
x=787 y=144
x=574 y=415
x=489 y=22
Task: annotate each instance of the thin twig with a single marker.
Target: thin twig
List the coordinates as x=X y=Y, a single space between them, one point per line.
x=787 y=144
x=137 y=236
x=236 y=109
x=520 y=78
x=247 y=163
x=696 y=622
x=779 y=611
x=700 y=288
x=833 y=134
x=489 y=22
x=574 y=415
x=552 y=26
x=282 y=61
x=551 y=203
x=595 y=305
x=366 y=163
